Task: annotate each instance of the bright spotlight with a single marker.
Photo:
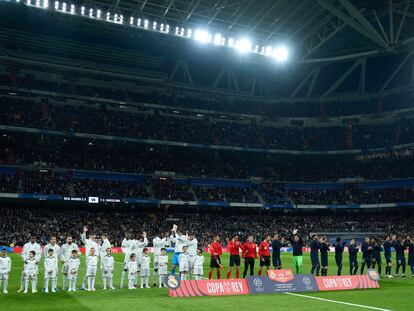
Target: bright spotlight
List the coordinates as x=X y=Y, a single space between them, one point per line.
x=154 y=26
x=90 y=12
x=83 y=10
x=108 y=16
x=218 y=39
x=139 y=22
x=167 y=29
x=201 y=36
x=98 y=13
x=45 y=4
x=56 y=5
x=281 y=54
x=146 y=22
x=268 y=51
x=244 y=46
x=37 y=3
x=63 y=7
x=189 y=33
x=231 y=42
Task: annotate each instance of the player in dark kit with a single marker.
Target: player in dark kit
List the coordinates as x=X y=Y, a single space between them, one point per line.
x=215 y=261
x=376 y=255
x=249 y=255
x=264 y=254
x=366 y=249
x=387 y=255
x=339 y=250
x=314 y=254
x=409 y=243
x=277 y=244
x=353 y=257
x=400 y=256
x=234 y=248
x=297 y=252
x=324 y=248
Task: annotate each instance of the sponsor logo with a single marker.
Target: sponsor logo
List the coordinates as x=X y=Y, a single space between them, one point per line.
x=282 y=276
x=306 y=281
x=257 y=282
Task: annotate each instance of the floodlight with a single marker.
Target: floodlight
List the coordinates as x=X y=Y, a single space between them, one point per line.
x=72 y=9
x=281 y=54
x=231 y=42
x=83 y=10
x=182 y=32
x=189 y=33
x=154 y=25
x=167 y=29
x=90 y=12
x=37 y=3
x=146 y=23
x=139 y=22
x=98 y=13
x=162 y=27
x=176 y=30
x=218 y=39
x=201 y=36
x=56 y=5
x=268 y=51
x=45 y=4
x=244 y=45
x=108 y=16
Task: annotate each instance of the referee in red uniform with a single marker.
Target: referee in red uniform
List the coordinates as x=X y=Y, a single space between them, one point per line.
x=249 y=255
x=264 y=254
x=234 y=248
x=215 y=262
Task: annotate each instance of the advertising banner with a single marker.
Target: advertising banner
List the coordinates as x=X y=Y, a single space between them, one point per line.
x=192 y=288
x=299 y=283
x=328 y=283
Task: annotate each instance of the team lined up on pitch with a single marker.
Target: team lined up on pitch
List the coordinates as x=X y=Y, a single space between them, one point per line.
x=189 y=259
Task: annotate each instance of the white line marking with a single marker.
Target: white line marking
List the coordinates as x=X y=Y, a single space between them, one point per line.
x=339 y=302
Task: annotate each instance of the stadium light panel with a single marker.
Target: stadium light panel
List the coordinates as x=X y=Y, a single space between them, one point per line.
x=281 y=54
x=83 y=10
x=218 y=39
x=56 y=5
x=176 y=30
x=162 y=27
x=131 y=20
x=139 y=22
x=64 y=7
x=231 y=42
x=90 y=12
x=167 y=29
x=182 y=32
x=29 y=2
x=108 y=16
x=72 y=9
x=146 y=22
x=37 y=3
x=45 y=4
x=189 y=33
x=268 y=51
x=201 y=36
x=154 y=26
x=244 y=45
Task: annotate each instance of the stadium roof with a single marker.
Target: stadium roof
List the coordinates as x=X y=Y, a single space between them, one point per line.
x=315 y=30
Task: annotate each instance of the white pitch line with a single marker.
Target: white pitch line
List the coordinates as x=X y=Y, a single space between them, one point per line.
x=338 y=302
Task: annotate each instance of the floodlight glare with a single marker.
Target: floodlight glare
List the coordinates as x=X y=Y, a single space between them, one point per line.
x=176 y=30
x=244 y=46
x=281 y=54
x=98 y=13
x=72 y=9
x=201 y=36
x=139 y=22
x=231 y=42
x=154 y=25
x=83 y=10
x=63 y=7
x=29 y=2
x=45 y=4
x=56 y=5
x=268 y=51
x=90 y=12
x=37 y=3
x=167 y=29
x=108 y=16
x=189 y=33
x=218 y=39
x=146 y=23
x=182 y=32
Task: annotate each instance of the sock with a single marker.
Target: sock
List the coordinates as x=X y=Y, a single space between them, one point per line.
x=210 y=274
x=64 y=282
x=237 y=274
x=93 y=282
x=142 y=281
x=5 y=284
x=70 y=283
x=22 y=280
x=122 y=279
x=218 y=274
x=411 y=268
x=104 y=280
x=111 y=282
x=155 y=276
x=34 y=284
x=260 y=272
x=26 y=284
x=362 y=269
x=228 y=274
x=397 y=269
x=173 y=269
x=403 y=269
x=161 y=280
x=317 y=270
x=46 y=284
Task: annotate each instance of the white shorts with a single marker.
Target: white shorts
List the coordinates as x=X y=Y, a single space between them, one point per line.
x=4 y=275
x=108 y=273
x=51 y=275
x=132 y=276
x=65 y=268
x=73 y=275
x=91 y=271
x=192 y=261
x=163 y=270
x=145 y=272
x=184 y=267
x=198 y=270
x=156 y=262
x=31 y=274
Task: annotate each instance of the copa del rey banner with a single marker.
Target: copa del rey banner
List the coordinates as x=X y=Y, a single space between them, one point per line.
x=277 y=281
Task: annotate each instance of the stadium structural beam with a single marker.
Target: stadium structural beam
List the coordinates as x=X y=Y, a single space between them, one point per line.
x=397 y=37
x=217 y=9
x=380 y=26
x=299 y=87
x=391 y=18
x=313 y=82
x=170 y=4
x=352 y=23
x=343 y=78
x=195 y=6
x=362 y=20
x=143 y=5
x=186 y=72
x=396 y=71
x=264 y=16
x=245 y=8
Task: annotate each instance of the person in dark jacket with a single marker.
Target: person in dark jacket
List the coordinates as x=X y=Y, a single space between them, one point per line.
x=353 y=257
x=324 y=248
x=277 y=244
x=387 y=255
x=339 y=250
x=366 y=249
x=376 y=255
x=314 y=255
x=400 y=256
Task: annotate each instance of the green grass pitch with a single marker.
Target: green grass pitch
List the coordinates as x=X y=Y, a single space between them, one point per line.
x=395 y=294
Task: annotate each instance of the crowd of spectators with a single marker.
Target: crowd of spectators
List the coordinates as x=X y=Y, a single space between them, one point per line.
x=152 y=125
x=60 y=221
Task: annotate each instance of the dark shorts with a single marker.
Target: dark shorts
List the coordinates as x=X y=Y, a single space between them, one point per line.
x=276 y=261
x=265 y=261
x=338 y=261
x=324 y=261
x=315 y=261
x=215 y=262
x=387 y=258
x=234 y=260
x=377 y=260
x=401 y=261
x=367 y=260
x=411 y=260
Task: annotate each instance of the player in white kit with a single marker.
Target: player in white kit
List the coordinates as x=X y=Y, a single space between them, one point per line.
x=31 y=270
x=184 y=263
x=51 y=270
x=32 y=245
x=128 y=248
x=199 y=265
x=108 y=265
x=5 y=268
x=73 y=263
x=192 y=246
x=139 y=248
x=91 y=268
x=145 y=268
x=89 y=244
x=132 y=271
x=105 y=244
x=158 y=244
x=66 y=252
x=163 y=266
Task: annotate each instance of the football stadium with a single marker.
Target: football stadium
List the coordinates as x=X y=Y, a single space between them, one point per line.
x=206 y=155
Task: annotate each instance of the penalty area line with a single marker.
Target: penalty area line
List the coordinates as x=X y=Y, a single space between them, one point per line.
x=338 y=302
